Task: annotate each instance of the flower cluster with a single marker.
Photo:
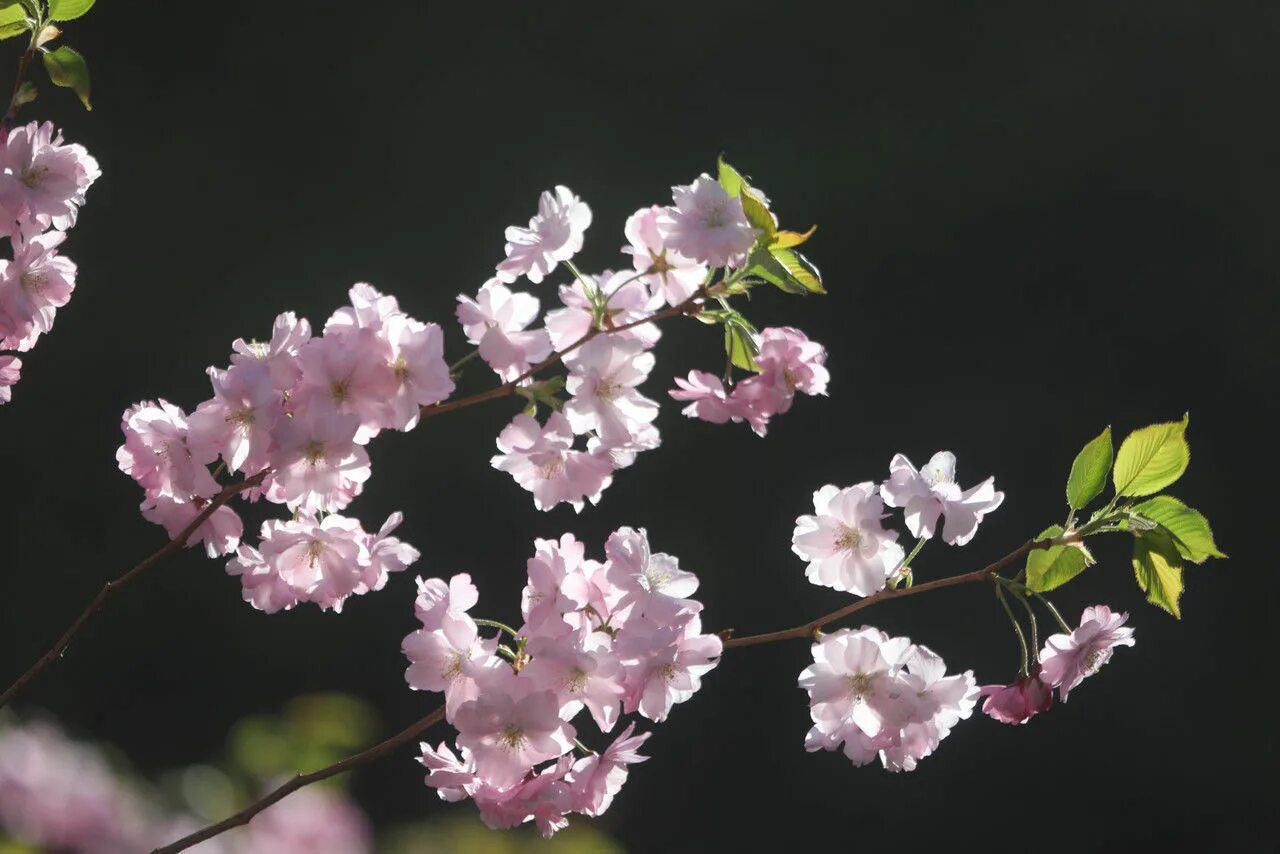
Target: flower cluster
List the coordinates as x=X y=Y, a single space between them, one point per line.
x=1066 y=660
x=62 y=795
x=601 y=335
x=849 y=549
x=42 y=186
x=788 y=362
x=613 y=637
x=883 y=696
x=297 y=409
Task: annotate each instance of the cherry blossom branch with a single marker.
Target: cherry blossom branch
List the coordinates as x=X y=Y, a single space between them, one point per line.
x=807 y=630
x=690 y=306
x=136 y=572
x=350 y=763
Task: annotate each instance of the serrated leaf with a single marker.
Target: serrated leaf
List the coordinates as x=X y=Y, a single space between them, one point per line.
x=1089 y=471
x=800 y=269
x=1189 y=528
x=1054 y=566
x=67 y=68
x=764 y=265
x=8 y=31
x=788 y=239
x=1151 y=458
x=13 y=20
x=758 y=215
x=740 y=341
x=68 y=10
x=1158 y=568
x=730 y=179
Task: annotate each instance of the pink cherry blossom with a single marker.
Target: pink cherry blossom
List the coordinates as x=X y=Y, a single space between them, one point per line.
x=707 y=225
x=844 y=543
x=665 y=664
x=788 y=359
x=309 y=821
x=369 y=309
x=555 y=234
x=941 y=701
x=511 y=727
x=652 y=584
x=418 y=365
x=627 y=299
x=672 y=276
x=602 y=381
x=261 y=585
x=544 y=799
x=279 y=355
x=853 y=684
x=318 y=465
x=599 y=777
x=33 y=286
x=580 y=677
x=495 y=322
x=158 y=456
x=387 y=554
x=436 y=599
x=708 y=398
x=220 y=533
x=43 y=178
x=240 y=419
x=932 y=492
x=10 y=373
x=349 y=373
x=449 y=658
x=542 y=460
x=1019 y=701
x=1067 y=659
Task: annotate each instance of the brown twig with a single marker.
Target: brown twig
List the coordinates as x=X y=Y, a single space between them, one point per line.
x=381 y=749
x=56 y=651
x=376 y=752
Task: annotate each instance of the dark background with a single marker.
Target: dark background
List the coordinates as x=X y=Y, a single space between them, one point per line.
x=1035 y=220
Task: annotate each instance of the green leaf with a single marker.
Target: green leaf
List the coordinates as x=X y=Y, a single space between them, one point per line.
x=740 y=341
x=788 y=239
x=67 y=68
x=1054 y=566
x=730 y=179
x=1189 y=529
x=13 y=20
x=761 y=263
x=68 y=10
x=1158 y=568
x=800 y=269
x=1152 y=458
x=1089 y=471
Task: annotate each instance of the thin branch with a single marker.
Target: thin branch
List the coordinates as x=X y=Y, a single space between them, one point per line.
x=56 y=651
x=351 y=762
x=416 y=729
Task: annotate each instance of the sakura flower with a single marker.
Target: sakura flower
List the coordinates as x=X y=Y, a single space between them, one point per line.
x=450 y=659
x=707 y=225
x=941 y=701
x=351 y=374
x=418 y=365
x=854 y=687
x=220 y=532
x=279 y=355
x=651 y=583
x=438 y=599
x=451 y=777
x=554 y=235
x=510 y=728
x=261 y=585
x=671 y=275
x=557 y=583
x=387 y=554
x=599 y=777
x=495 y=321
x=320 y=560
x=239 y=420
x=665 y=664
x=579 y=677
x=157 y=455
x=626 y=298
x=602 y=382
x=790 y=360
x=43 y=177
x=10 y=372
x=318 y=465
x=542 y=460
x=708 y=398
x=544 y=798
x=369 y=309
x=33 y=286
x=932 y=492
x=844 y=543
x=1019 y=701
x=1067 y=659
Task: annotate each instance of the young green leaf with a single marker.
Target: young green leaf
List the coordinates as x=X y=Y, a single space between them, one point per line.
x=68 y=10
x=1158 y=568
x=1152 y=458
x=788 y=239
x=730 y=179
x=1089 y=471
x=1190 y=530
x=740 y=341
x=761 y=263
x=1054 y=566
x=67 y=68
x=13 y=20
x=800 y=269
x=25 y=95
